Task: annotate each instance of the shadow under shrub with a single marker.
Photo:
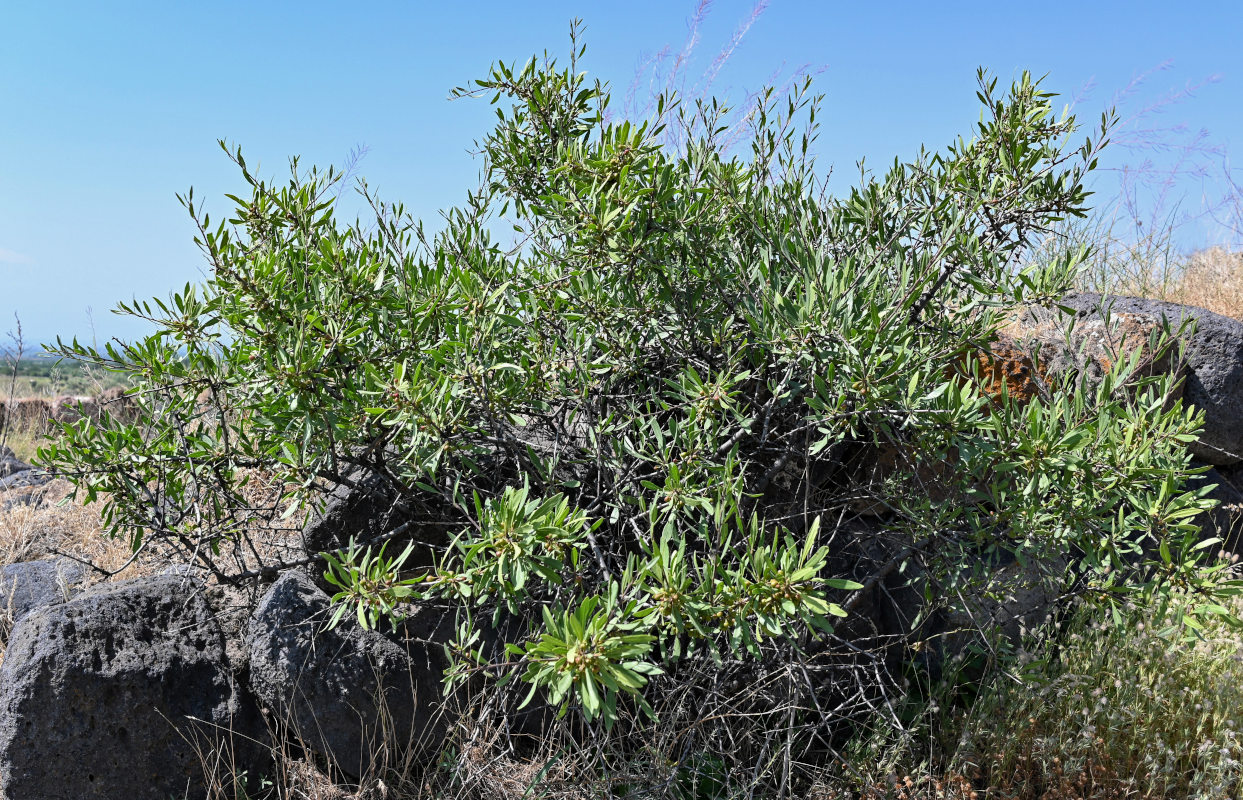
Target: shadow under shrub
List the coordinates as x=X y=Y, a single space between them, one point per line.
x=637 y=427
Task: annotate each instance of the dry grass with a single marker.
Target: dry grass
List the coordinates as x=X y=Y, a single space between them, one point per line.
x=23 y=441
x=29 y=532
x=41 y=522
x=396 y=770
x=1211 y=278
x=57 y=526
x=1118 y=711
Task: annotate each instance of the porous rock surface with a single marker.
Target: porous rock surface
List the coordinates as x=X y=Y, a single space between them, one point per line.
x=361 y=511
x=995 y=593
x=27 y=478
x=71 y=408
x=10 y=464
x=1214 y=358
x=346 y=690
x=30 y=585
x=1033 y=347
x=1212 y=363
x=105 y=696
x=1224 y=522
x=15 y=473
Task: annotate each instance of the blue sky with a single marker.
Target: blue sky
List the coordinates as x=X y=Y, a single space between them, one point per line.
x=107 y=111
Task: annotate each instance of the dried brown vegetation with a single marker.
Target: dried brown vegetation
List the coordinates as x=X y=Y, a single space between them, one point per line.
x=1212 y=279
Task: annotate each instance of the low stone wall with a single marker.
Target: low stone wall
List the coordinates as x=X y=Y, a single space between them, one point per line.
x=38 y=413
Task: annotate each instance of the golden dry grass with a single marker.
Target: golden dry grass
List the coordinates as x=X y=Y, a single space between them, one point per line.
x=30 y=532
x=1211 y=278
x=24 y=439
x=58 y=526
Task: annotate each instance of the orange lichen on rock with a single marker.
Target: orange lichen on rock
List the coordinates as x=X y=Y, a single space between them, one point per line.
x=1034 y=347
x=1005 y=368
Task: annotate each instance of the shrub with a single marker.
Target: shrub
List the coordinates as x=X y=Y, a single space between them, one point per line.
x=647 y=423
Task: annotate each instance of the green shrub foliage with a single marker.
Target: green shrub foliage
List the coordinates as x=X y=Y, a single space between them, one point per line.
x=640 y=397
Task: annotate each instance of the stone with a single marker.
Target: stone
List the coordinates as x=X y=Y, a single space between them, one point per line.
x=346 y=693
x=11 y=464
x=121 y=692
x=1233 y=475
x=120 y=406
x=1006 y=367
x=1032 y=349
x=362 y=511
x=25 y=479
x=29 y=413
x=993 y=600
x=875 y=472
x=1226 y=520
x=31 y=585
x=71 y=408
x=33 y=499
x=1006 y=597
x=1214 y=363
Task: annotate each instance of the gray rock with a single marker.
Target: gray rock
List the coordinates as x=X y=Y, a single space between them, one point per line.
x=26 y=477
x=179 y=570
x=1006 y=597
x=361 y=512
x=1226 y=520
x=28 y=500
x=120 y=406
x=368 y=509
x=1214 y=358
x=115 y=694
x=347 y=691
x=31 y=585
x=11 y=464
x=70 y=408
x=934 y=619
x=1233 y=475
x=1033 y=349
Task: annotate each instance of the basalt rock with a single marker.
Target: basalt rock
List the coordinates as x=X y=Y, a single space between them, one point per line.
x=1103 y=330
x=1224 y=522
x=120 y=405
x=10 y=464
x=29 y=413
x=31 y=585
x=1214 y=358
x=1033 y=349
x=121 y=692
x=360 y=511
x=344 y=692
x=70 y=408
x=25 y=479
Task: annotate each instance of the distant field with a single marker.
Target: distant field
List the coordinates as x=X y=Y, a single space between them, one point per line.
x=46 y=376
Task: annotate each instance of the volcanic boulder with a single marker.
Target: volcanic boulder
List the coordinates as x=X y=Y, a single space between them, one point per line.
x=348 y=693
x=1099 y=331
x=121 y=692
x=30 y=585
